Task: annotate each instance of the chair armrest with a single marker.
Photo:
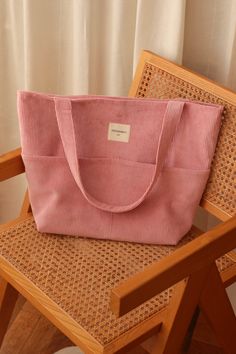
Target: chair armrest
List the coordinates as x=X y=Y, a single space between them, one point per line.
x=188 y=259
x=11 y=164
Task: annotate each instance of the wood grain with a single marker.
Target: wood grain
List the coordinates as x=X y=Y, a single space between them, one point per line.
x=26 y=207
x=8 y=299
x=216 y=307
x=31 y=330
x=175 y=327
x=11 y=164
x=188 y=259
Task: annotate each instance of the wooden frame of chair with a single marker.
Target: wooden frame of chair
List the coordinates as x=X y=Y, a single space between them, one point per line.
x=203 y=287
x=192 y=268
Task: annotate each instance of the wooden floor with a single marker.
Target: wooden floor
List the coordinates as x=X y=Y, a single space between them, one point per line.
x=31 y=333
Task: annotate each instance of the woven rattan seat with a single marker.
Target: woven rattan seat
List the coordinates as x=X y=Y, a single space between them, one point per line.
x=78 y=274
x=103 y=294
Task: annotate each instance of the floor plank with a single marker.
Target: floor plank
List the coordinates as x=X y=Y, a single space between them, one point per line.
x=30 y=332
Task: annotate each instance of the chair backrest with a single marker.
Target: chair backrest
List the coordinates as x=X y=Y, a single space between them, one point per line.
x=159 y=78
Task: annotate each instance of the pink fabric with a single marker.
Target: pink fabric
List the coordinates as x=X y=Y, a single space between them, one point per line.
x=146 y=190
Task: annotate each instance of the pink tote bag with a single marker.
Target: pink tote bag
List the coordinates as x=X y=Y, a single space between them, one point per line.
x=116 y=168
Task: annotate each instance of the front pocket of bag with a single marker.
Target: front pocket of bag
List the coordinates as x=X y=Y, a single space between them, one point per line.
x=49 y=178
x=183 y=185
x=57 y=202
x=167 y=213
x=116 y=182
x=111 y=181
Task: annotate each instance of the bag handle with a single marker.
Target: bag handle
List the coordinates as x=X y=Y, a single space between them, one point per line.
x=65 y=122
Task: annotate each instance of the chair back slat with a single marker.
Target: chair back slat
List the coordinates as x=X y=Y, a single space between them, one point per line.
x=159 y=78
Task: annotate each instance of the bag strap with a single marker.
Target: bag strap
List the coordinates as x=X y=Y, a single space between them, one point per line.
x=65 y=122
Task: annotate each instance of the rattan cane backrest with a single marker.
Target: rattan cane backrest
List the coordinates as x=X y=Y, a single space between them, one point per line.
x=157 y=77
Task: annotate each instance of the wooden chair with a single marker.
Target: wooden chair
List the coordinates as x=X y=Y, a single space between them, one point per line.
x=109 y=297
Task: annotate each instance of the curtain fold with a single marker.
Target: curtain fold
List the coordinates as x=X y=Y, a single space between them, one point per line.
x=160 y=28
x=209 y=43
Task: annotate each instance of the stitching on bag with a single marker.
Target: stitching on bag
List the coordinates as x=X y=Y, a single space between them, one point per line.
x=111 y=225
x=165 y=168
x=175 y=133
x=40 y=157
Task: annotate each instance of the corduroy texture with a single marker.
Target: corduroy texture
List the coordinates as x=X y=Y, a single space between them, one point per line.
x=81 y=183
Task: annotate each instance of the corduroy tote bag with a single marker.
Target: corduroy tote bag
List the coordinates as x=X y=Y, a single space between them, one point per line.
x=116 y=168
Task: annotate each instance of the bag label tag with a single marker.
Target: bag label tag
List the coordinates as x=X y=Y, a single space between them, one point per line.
x=119 y=132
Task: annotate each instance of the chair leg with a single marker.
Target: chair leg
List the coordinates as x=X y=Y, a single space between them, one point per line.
x=8 y=294
x=218 y=311
x=189 y=334
x=8 y=298
x=175 y=326
x=25 y=208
